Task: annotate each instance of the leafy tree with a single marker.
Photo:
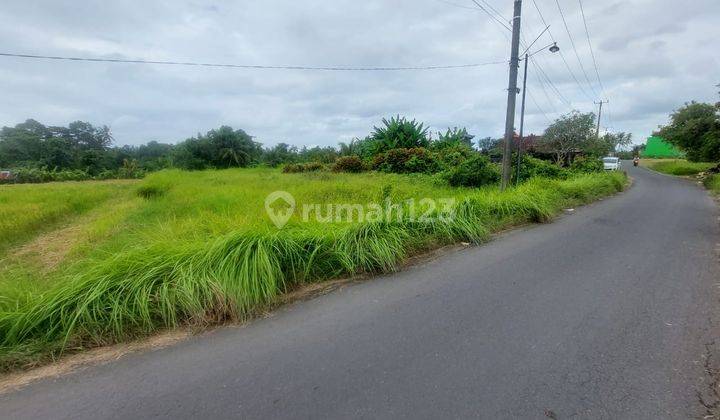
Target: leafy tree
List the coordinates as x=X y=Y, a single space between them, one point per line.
x=280 y=154
x=695 y=128
x=486 y=144
x=326 y=154
x=571 y=132
x=221 y=148
x=32 y=144
x=607 y=144
x=397 y=133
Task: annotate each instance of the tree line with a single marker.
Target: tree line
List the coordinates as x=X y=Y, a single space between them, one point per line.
x=84 y=151
x=695 y=129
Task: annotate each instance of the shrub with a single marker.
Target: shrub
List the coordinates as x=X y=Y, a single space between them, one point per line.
x=292 y=168
x=532 y=167
x=313 y=166
x=474 y=172
x=453 y=155
x=403 y=161
x=303 y=167
x=586 y=165
x=349 y=164
x=399 y=133
x=39 y=175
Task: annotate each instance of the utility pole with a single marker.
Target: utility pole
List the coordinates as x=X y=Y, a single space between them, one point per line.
x=522 y=121
x=597 y=131
x=512 y=94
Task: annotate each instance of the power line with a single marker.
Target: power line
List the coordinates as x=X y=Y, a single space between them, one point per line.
x=550 y=82
x=592 y=53
x=462 y=6
x=532 y=98
x=248 y=66
x=572 y=42
x=503 y=24
x=489 y=6
x=562 y=56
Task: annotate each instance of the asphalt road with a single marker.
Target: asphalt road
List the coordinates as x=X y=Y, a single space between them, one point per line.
x=606 y=313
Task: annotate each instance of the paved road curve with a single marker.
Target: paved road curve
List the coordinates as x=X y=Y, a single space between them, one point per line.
x=605 y=313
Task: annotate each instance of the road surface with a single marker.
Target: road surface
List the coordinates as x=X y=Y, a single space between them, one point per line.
x=609 y=312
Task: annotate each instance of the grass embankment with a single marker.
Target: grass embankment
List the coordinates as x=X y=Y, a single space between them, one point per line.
x=198 y=248
x=677 y=167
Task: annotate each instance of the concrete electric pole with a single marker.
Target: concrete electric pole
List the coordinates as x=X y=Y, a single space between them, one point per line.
x=522 y=122
x=597 y=130
x=512 y=94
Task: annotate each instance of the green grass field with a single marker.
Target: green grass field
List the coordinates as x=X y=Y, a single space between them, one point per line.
x=677 y=167
x=92 y=263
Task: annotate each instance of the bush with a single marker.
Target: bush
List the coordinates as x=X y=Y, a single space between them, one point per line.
x=303 y=167
x=291 y=168
x=587 y=165
x=404 y=161
x=349 y=164
x=453 y=155
x=40 y=175
x=532 y=167
x=474 y=172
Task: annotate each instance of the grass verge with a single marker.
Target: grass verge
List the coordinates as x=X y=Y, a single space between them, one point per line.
x=677 y=167
x=175 y=265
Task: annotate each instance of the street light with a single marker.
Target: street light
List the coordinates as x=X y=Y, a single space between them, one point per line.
x=553 y=48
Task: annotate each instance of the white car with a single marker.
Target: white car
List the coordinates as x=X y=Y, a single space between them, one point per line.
x=611 y=163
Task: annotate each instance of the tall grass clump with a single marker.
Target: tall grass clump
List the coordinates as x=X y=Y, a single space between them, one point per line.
x=234 y=275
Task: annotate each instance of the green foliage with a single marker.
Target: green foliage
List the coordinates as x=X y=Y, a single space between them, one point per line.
x=586 y=165
x=280 y=154
x=536 y=168
x=695 y=128
x=398 y=133
x=712 y=183
x=221 y=148
x=352 y=164
x=400 y=161
x=303 y=167
x=453 y=138
x=450 y=157
x=607 y=144
x=129 y=170
x=78 y=146
x=474 y=172
x=679 y=167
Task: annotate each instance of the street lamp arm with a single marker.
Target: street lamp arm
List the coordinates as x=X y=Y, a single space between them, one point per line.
x=536 y=40
x=553 y=48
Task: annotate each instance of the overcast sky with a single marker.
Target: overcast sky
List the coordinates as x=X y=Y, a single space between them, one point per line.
x=652 y=56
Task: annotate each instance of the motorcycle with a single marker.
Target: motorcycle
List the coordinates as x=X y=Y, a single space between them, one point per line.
x=636 y=161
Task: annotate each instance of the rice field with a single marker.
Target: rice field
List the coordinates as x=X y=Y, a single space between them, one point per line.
x=93 y=263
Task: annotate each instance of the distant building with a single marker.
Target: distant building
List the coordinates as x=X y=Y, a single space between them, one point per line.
x=657 y=148
x=6 y=175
